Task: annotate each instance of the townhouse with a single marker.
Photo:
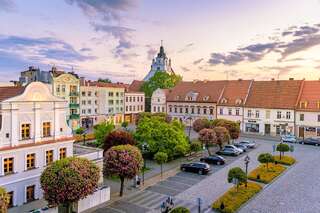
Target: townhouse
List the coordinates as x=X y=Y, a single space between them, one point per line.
x=188 y=101
x=134 y=102
x=34 y=132
x=270 y=107
x=308 y=110
x=158 y=100
x=231 y=103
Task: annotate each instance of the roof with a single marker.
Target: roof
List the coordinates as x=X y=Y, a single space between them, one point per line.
x=9 y=92
x=103 y=84
x=235 y=93
x=273 y=94
x=310 y=94
x=202 y=91
x=135 y=86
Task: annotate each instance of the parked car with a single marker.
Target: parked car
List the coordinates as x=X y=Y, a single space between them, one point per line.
x=241 y=146
x=213 y=159
x=198 y=167
x=289 y=139
x=228 y=151
x=234 y=147
x=311 y=141
x=249 y=144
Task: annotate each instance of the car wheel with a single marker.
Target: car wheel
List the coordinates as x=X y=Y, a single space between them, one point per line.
x=183 y=169
x=218 y=163
x=317 y=144
x=302 y=142
x=200 y=172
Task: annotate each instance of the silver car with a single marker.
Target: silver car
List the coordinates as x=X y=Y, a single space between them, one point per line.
x=249 y=144
x=289 y=139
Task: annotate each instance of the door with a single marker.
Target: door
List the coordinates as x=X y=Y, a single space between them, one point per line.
x=267 y=129
x=301 y=132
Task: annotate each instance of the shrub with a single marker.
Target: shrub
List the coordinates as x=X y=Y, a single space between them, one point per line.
x=233 y=199
x=265 y=158
x=4 y=200
x=124 y=124
x=237 y=173
x=200 y=124
x=180 y=209
x=118 y=137
x=282 y=148
x=195 y=146
x=285 y=160
x=264 y=175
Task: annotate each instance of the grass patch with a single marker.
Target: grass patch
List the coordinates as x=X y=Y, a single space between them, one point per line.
x=264 y=175
x=232 y=200
x=285 y=160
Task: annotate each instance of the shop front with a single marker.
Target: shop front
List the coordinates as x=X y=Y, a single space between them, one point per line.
x=307 y=131
x=252 y=126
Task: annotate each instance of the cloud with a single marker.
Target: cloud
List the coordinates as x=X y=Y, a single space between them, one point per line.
x=302 y=30
x=281 y=70
x=85 y=49
x=6 y=5
x=198 y=61
x=185 y=69
x=187 y=47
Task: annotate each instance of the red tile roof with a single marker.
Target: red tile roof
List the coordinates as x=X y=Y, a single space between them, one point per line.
x=311 y=95
x=235 y=91
x=102 y=84
x=274 y=94
x=135 y=86
x=205 y=89
x=9 y=92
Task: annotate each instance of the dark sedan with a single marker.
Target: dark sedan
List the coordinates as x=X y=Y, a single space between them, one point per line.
x=228 y=151
x=200 y=168
x=213 y=159
x=311 y=141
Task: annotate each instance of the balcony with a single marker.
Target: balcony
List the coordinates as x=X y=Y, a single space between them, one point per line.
x=74 y=117
x=74 y=93
x=73 y=105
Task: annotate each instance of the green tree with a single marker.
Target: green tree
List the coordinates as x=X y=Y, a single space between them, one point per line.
x=266 y=158
x=195 y=146
x=161 y=136
x=124 y=124
x=161 y=158
x=208 y=137
x=161 y=80
x=68 y=180
x=237 y=174
x=81 y=132
x=104 y=80
x=101 y=131
x=282 y=148
x=124 y=161
x=4 y=200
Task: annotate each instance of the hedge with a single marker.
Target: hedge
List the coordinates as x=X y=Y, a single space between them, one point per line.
x=232 y=200
x=264 y=175
x=180 y=209
x=79 y=138
x=285 y=160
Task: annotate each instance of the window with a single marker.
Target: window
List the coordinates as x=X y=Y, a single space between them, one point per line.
x=318 y=118
x=158 y=109
x=249 y=113
x=10 y=195
x=83 y=102
x=170 y=109
x=257 y=114
x=58 y=88
x=181 y=109
x=187 y=110
x=199 y=110
x=221 y=111
x=89 y=111
x=288 y=115
x=155 y=109
x=134 y=99
x=49 y=157
x=303 y=104
x=134 y=108
x=141 y=99
x=205 y=111
x=46 y=129
x=229 y=111
x=175 y=110
x=83 y=93
x=268 y=114
x=95 y=102
x=7 y=135
x=211 y=111
x=63 y=89
x=117 y=94
x=25 y=131
x=83 y=111
x=63 y=152
x=278 y=114
x=30 y=193
x=138 y=99
x=192 y=110
x=301 y=117
x=8 y=166
x=110 y=94
x=237 y=112
x=89 y=93
x=158 y=99
x=130 y=108
x=31 y=158
x=162 y=109
x=96 y=93
x=89 y=102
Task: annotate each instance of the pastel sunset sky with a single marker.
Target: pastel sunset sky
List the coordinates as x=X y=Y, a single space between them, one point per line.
x=206 y=39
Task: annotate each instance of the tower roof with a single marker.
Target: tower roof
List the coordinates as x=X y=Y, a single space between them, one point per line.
x=161 y=53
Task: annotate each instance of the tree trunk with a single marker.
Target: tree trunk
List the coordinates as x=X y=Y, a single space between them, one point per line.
x=121 y=185
x=280 y=155
x=161 y=170
x=66 y=208
x=209 y=153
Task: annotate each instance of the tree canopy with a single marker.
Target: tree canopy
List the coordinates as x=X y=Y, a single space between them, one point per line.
x=118 y=137
x=161 y=80
x=4 y=200
x=232 y=127
x=238 y=174
x=104 y=80
x=208 y=137
x=68 y=180
x=101 y=131
x=200 y=124
x=266 y=158
x=282 y=148
x=222 y=135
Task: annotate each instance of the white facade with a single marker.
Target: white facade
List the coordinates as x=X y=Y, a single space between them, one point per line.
x=158 y=101
x=133 y=104
x=89 y=103
x=231 y=113
x=31 y=124
x=268 y=121
x=307 y=124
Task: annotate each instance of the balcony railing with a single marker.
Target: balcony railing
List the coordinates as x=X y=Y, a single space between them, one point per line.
x=74 y=116
x=74 y=93
x=73 y=105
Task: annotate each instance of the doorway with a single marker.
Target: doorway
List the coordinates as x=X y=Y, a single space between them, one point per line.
x=267 y=129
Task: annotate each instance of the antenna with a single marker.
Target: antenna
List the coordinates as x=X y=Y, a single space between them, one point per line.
x=161 y=42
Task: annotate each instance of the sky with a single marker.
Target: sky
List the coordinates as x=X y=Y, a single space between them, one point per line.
x=205 y=39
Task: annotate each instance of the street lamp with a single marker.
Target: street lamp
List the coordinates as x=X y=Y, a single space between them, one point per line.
x=190 y=119
x=144 y=150
x=246 y=161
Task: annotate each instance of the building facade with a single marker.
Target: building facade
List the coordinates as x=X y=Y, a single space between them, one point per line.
x=34 y=74
x=67 y=86
x=89 y=105
x=134 y=104
x=34 y=133
x=158 y=101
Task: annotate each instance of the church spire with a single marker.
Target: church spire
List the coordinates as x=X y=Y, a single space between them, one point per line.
x=161 y=54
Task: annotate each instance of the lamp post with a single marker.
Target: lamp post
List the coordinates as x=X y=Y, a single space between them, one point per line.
x=190 y=119
x=246 y=161
x=144 y=150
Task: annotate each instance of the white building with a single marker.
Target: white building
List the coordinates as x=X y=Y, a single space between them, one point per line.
x=89 y=104
x=134 y=104
x=33 y=132
x=160 y=64
x=158 y=100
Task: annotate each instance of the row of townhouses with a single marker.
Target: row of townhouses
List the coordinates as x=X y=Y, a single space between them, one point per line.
x=90 y=102
x=261 y=107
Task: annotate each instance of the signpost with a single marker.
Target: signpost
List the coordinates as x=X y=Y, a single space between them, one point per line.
x=199 y=201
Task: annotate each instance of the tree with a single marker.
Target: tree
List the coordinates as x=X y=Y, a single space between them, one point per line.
x=195 y=146
x=4 y=200
x=207 y=137
x=101 y=131
x=237 y=174
x=232 y=127
x=282 y=148
x=124 y=161
x=161 y=80
x=199 y=124
x=118 y=137
x=161 y=136
x=160 y=115
x=68 y=180
x=222 y=135
x=266 y=158
x=161 y=158
x=81 y=132
x=105 y=80
x=124 y=124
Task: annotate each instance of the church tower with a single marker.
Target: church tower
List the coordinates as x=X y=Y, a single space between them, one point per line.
x=160 y=64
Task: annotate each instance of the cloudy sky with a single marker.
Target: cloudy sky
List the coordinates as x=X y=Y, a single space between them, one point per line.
x=206 y=39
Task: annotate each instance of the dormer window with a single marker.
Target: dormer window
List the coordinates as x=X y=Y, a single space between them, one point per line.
x=303 y=104
x=177 y=97
x=191 y=96
x=238 y=101
x=206 y=98
x=224 y=100
x=318 y=104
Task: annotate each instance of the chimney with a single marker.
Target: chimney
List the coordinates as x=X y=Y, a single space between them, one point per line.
x=291 y=79
x=240 y=79
x=272 y=79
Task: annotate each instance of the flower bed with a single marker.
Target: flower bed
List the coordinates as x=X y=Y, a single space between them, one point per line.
x=264 y=175
x=285 y=160
x=232 y=200
x=79 y=138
